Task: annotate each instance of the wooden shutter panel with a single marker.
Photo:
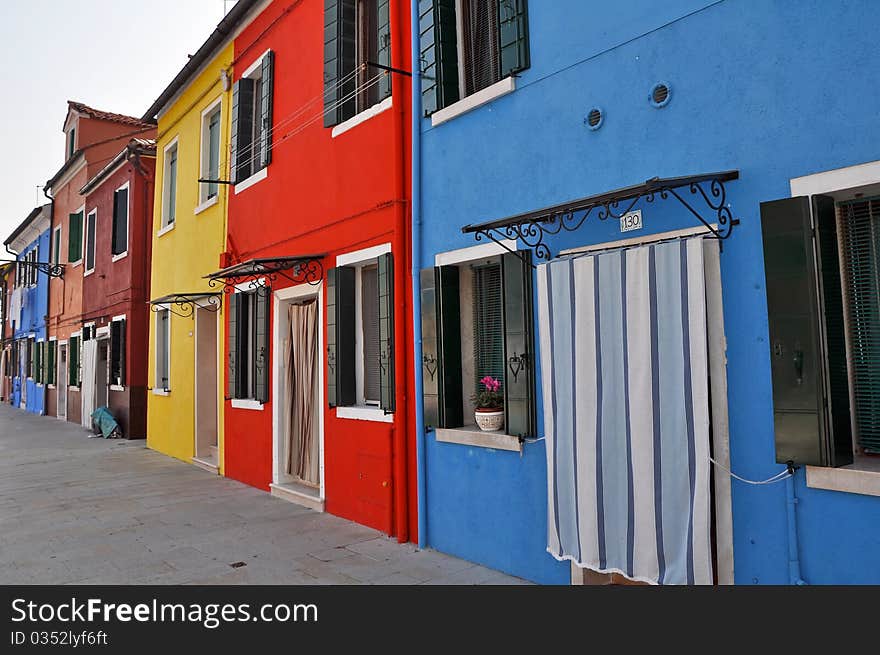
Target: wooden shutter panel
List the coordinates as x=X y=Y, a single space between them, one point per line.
x=331 y=338
x=122 y=330
x=232 y=348
x=439 y=54
x=386 y=332
x=804 y=433
x=341 y=358
x=513 y=36
x=120 y=222
x=383 y=39
x=450 y=393
x=519 y=348
x=340 y=56
x=74 y=238
x=261 y=345
x=268 y=75
x=331 y=64
x=242 y=129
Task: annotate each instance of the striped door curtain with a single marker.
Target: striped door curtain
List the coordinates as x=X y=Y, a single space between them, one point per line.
x=626 y=411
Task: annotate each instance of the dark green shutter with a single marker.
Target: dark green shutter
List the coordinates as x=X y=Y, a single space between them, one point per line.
x=804 y=433
x=341 y=382
x=120 y=222
x=232 y=348
x=383 y=40
x=262 y=330
x=268 y=76
x=73 y=362
x=50 y=363
x=519 y=347
x=340 y=57
x=449 y=339
x=35 y=359
x=513 y=36
x=439 y=54
x=74 y=237
x=386 y=332
x=242 y=129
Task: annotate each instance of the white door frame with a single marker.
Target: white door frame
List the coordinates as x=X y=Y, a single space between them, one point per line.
x=279 y=377
x=218 y=349
x=717 y=351
x=61 y=385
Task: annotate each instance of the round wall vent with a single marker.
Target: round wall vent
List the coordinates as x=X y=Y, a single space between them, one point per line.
x=594 y=118
x=660 y=94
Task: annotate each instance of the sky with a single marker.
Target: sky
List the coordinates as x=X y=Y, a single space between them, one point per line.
x=114 y=55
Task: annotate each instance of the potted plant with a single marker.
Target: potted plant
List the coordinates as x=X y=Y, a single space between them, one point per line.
x=489 y=412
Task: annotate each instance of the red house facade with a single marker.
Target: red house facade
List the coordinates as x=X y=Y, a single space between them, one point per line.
x=116 y=284
x=319 y=405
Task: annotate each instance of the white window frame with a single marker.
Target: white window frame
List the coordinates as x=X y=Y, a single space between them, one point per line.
x=115 y=319
x=124 y=254
x=157 y=389
x=362 y=412
x=56 y=243
x=82 y=245
x=254 y=72
x=167 y=201
x=205 y=155
x=247 y=403
x=862 y=476
x=85 y=258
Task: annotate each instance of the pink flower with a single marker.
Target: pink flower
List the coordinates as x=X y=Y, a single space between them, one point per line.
x=490 y=383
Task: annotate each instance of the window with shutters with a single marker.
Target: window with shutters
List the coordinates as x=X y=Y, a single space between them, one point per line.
x=252 y=105
x=29 y=358
x=119 y=235
x=56 y=245
x=360 y=324
x=73 y=359
x=477 y=321
x=357 y=37
x=51 y=362
x=71 y=142
x=248 y=348
x=117 y=354
x=91 y=237
x=470 y=45
x=75 y=237
x=169 y=185
x=40 y=362
x=210 y=153
x=162 y=383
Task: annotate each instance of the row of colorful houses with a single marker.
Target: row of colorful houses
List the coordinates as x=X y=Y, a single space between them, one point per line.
x=651 y=225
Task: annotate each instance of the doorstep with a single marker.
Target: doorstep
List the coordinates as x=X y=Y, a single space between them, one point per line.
x=298 y=494
x=206 y=464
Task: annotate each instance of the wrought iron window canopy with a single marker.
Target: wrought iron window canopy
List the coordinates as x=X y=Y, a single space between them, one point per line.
x=533 y=227
x=186 y=304
x=50 y=269
x=261 y=273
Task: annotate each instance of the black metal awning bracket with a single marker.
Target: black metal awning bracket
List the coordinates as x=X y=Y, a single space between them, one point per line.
x=49 y=268
x=478 y=236
x=259 y=274
x=186 y=304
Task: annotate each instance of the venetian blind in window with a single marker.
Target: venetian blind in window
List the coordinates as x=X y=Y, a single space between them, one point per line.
x=480 y=45
x=370 y=325
x=488 y=324
x=859 y=222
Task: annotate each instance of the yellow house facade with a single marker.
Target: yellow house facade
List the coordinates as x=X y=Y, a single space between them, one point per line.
x=185 y=403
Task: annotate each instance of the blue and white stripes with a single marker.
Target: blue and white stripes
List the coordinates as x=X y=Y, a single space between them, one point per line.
x=625 y=385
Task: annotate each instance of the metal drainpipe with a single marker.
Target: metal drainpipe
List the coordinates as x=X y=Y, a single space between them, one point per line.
x=794 y=562
x=416 y=66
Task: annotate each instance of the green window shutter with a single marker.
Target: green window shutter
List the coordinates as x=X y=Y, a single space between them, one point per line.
x=519 y=347
x=268 y=76
x=861 y=255
x=53 y=354
x=386 y=332
x=383 y=40
x=242 y=129
x=439 y=54
x=34 y=358
x=120 y=222
x=74 y=237
x=341 y=357
x=331 y=63
x=449 y=338
x=261 y=345
x=340 y=55
x=513 y=36
x=232 y=348
x=804 y=432
x=73 y=362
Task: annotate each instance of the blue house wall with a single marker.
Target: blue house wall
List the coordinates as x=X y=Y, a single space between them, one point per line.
x=775 y=89
x=35 y=306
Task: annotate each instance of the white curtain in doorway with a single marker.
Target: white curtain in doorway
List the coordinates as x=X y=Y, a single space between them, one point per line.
x=626 y=418
x=87 y=388
x=301 y=358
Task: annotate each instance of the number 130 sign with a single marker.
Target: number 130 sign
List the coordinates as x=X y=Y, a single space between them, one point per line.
x=631 y=221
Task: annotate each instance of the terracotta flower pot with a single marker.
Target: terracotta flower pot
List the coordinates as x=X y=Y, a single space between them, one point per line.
x=489 y=420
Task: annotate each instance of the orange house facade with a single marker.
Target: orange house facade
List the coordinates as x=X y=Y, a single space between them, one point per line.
x=318 y=341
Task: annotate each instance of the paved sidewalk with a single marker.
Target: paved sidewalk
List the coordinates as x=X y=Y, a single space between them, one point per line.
x=93 y=511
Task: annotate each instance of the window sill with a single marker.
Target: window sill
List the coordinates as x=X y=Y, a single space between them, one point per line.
x=473 y=436
x=116 y=258
x=73 y=387
x=50 y=386
x=260 y=175
x=88 y=272
x=861 y=477
x=166 y=229
x=116 y=387
x=478 y=99
x=239 y=403
x=365 y=115
x=210 y=202
x=358 y=413
x=161 y=392
x=76 y=263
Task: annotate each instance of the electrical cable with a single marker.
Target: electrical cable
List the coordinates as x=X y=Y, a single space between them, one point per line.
x=782 y=475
